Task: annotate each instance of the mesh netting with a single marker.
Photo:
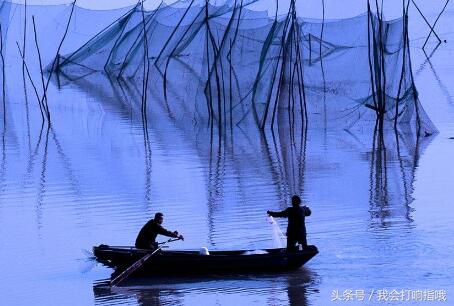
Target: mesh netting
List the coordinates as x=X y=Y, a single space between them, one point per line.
x=228 y=64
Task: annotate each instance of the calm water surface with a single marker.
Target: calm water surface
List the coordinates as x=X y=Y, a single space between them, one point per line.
x=95 y=177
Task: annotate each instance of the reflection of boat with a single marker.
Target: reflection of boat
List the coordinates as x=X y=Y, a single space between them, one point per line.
x=178 y=262
x=293 y=288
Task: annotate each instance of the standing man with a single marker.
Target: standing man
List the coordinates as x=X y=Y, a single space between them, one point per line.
x=296 y=229
x=147 y=235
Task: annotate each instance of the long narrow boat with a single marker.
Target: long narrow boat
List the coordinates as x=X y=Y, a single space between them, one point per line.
x=176 y=262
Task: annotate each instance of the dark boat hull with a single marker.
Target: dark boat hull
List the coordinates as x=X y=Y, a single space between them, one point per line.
x=192 y=263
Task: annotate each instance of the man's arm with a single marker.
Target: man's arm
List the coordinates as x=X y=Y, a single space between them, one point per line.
x=164 y=232
x=279 y=214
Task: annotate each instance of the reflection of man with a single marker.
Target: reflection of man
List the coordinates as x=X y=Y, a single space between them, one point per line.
x=147 y=235
x=296 y=229
x=297 y=287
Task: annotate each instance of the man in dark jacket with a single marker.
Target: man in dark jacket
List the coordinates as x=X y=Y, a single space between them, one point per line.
x=296 y=229
x=147 y=235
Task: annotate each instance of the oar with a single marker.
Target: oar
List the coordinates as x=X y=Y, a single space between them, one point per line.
x=126 y=273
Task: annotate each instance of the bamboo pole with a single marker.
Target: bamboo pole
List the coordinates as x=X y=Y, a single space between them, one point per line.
x=31 y=81
x=146 y=68
x=44 y=101
x=210 y=101
x=25 y=36
x=310 y=49
x=425 y=19
x=371 y=69
x=404 y=35
x=230 y=85
x=3 y=78
x=27 y=112
x=382 y=56
x=321 y=64
x=290 y=68
x=300 y=78
x=321 y=32
x=432 y=29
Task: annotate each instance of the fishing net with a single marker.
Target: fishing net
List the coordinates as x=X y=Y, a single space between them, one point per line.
x=229 y=65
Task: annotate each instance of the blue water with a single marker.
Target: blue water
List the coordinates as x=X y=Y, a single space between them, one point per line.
x=94 y=178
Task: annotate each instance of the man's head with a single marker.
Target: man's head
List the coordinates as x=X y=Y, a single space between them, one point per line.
x=159 y=217
x=296 y=201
